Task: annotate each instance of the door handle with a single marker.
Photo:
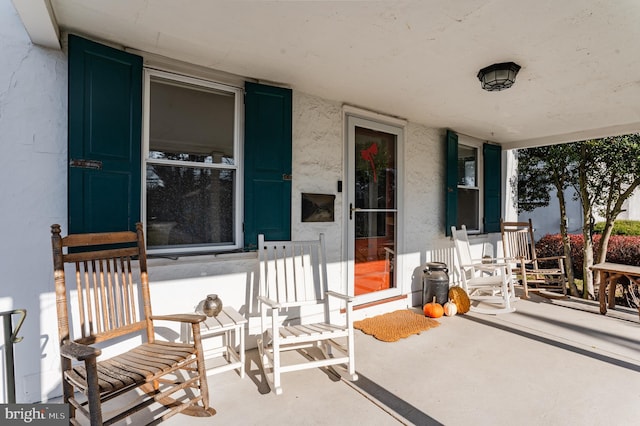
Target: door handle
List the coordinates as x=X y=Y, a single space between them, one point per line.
x=351 y=210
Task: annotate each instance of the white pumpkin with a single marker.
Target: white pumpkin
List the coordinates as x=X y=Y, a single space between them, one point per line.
x=450 y=308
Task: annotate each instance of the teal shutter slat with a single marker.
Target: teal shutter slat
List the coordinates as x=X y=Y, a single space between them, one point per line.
x=105 y=119
x=451 y=214
x=267 y=181
x=492 y=187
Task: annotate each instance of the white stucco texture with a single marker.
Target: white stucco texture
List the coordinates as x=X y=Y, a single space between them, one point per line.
x=33 y=129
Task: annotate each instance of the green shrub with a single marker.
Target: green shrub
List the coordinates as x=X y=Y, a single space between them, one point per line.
x=620 y=227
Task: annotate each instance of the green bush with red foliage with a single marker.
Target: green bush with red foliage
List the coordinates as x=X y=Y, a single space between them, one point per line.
x=622 y=249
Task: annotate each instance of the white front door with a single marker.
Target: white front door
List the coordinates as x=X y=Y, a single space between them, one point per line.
x=372 y=208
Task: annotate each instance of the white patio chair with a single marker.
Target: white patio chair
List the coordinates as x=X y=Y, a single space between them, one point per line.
x=490 y=283
x=293 y=287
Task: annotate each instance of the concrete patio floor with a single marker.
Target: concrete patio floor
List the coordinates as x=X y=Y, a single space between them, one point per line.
x=550 y=362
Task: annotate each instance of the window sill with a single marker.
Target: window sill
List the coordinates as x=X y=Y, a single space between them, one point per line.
x=480 y=235
x=168 y=259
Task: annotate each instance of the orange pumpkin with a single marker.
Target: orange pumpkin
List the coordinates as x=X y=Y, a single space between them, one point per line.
x=433 y=309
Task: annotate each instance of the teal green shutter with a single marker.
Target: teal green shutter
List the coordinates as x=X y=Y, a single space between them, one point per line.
x=492 y=187
x=267 y=176
x=451 y=214
x=105 y=118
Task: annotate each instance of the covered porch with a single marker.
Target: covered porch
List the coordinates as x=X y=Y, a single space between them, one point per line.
x=550 y=362
x=412 y=63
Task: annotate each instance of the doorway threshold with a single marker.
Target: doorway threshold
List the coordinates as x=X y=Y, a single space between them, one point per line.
x=380 y=302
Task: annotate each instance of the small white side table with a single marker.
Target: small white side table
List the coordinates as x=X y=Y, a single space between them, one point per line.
x=228 y=322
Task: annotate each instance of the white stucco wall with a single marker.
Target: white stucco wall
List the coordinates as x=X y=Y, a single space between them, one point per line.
x=424 y=189
x=546 y=220
x=317 y=168
x=632 y=207
x=33 y=130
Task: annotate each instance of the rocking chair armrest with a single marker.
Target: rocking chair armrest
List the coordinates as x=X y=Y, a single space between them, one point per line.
x=190 y=318
x=552 y=258
x=502 y=260
x=486 y=265
x=78 y=351
x=271 y=303
x=486 y=260
x=493 y=261
x=340 y=296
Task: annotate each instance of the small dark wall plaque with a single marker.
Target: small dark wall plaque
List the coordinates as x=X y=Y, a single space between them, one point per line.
x=86 y=164
x=318 y=207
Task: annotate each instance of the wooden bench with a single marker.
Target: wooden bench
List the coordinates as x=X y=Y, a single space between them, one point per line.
x=609 y=275
x=108 y=303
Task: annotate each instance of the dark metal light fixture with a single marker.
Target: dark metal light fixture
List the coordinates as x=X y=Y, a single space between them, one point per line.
x=498 y=77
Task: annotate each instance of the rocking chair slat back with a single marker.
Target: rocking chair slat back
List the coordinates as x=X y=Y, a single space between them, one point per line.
x=106 y=296
x=111 y=300
x=292 y=273
x=518 y=239
x=107 y=305
x=519 y=244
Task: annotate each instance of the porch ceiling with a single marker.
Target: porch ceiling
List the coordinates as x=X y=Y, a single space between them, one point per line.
x=418 y=60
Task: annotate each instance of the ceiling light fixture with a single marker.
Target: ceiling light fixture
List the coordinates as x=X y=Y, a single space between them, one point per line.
x=498 y=77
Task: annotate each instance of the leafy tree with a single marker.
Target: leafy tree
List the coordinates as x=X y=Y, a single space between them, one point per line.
x=540 y=170
x=604 y=173
x=609 y=172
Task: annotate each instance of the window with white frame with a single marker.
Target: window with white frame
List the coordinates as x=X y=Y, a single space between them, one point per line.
x=468 y=187
x=192 y=164
x=210 y=173
x=473 y=184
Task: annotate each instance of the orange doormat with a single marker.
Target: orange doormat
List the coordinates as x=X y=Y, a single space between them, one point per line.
x=395 y=325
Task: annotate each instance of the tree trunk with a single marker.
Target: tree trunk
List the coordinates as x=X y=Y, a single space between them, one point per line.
x=587 y=248
x=566 y=242
x=588 y=291
x=604 y=242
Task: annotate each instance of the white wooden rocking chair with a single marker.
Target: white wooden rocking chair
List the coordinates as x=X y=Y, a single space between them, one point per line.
x=491 y=283
x=293 y=286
